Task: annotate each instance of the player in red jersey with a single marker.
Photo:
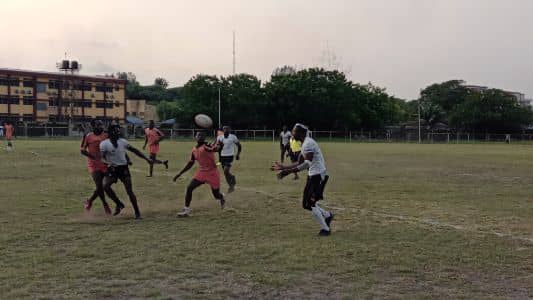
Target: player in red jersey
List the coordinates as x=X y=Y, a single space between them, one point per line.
x=90 y=147
x=152 y=137
x=207 y=172
x=10 y=132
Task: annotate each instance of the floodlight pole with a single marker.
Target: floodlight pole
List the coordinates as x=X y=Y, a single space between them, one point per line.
x=419 y=129
x=219 y=123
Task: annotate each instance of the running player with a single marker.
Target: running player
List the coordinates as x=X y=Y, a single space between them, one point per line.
x=90 y=147
x=312 y=160
x=114 y=155
x=294 y=152
x=207 y=172
x=284 y=137
x=153 y=136
x=228 y=141
x=10 y=133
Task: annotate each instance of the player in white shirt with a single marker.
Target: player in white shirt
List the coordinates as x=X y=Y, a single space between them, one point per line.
x=114 y=155
x=312 y=160
x=284 y=138
x=229 y=141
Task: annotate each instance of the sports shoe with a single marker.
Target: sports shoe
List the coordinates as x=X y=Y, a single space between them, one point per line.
x=166 y=164
x=231 y=189
x=324 y=232
x=119 y=207
x=185 y=212
x=138 y=217
x=328 y=220
x=88 y=204
x=107 y=209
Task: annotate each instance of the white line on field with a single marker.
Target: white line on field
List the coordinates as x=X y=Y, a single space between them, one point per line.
x=430 y=222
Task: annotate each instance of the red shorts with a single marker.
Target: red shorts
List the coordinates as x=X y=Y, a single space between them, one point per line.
x=94 y=166
x=154 y=148
x=210 y=177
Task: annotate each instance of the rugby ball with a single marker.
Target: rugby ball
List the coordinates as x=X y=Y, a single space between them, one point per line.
x=203 y=121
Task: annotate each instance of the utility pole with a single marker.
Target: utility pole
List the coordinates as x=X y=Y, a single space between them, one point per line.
x=233 y=52
x=419 y=128
x=219 y=123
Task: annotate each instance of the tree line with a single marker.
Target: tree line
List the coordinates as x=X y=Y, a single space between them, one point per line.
x=327 y=100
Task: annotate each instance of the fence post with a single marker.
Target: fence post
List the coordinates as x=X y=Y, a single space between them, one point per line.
x=350 y=136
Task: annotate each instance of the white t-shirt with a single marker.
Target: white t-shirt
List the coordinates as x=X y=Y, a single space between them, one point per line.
x=285 y=137
x=318 y=165
x=229 y=144
x=115 y=156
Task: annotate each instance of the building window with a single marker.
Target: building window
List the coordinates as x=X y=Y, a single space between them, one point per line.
x=4 y=81
x=4 y=100
x=88 y=87
x=52 y=102
x=102 y=104
x=15 y=100
x=27 y=117
x=41 y=87
x=28 y=100
x=28 y=83
x=117 y=88
x=101 y=88
x=87 y=103
x=14 y=82
x=53 y=85
x=41 y=106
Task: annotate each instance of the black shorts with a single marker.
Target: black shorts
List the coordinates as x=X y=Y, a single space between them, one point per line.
x=118 y=172
x=226 y=161
x=295 y=156
x=314 y=190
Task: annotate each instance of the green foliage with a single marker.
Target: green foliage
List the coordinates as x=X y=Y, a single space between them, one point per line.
x=468 y=109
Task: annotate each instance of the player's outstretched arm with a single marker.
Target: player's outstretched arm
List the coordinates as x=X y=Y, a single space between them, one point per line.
x=138 y=153
x=145 y=141
x=303 y=164
x=187 y=167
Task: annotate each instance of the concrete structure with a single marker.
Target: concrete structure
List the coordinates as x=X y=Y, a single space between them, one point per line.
x=43 y=97
x=141 y=110
x=520 y=97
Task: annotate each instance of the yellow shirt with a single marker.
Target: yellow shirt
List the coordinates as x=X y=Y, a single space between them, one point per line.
x=296 y=146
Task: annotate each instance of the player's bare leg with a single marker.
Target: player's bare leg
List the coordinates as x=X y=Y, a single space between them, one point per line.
x=107 y=183
x=133 y=199
x=154 y=159
x=230 y=179
x=186 y=211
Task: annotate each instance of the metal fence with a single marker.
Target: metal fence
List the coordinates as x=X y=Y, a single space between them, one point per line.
x=273 y=135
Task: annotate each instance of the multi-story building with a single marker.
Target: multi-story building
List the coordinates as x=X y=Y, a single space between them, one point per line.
x=141 y=110
x=43 y=97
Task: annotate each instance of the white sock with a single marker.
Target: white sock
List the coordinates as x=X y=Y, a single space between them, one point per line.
x=326 y=214
x=317 y=214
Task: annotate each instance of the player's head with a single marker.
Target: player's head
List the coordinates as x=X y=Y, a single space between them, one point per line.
x=200 y=137
x=299 y=131
x=97 y=125
x=114 y=132
x=226 y=129
x=284 y=128
x=151 y=124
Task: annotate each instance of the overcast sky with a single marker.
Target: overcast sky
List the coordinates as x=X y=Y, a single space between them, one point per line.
x=402 y=45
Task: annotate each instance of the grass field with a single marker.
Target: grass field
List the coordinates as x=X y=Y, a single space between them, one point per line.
x=413 y=221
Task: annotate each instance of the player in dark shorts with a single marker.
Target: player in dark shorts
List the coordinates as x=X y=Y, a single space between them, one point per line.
x=228 y=142
x=284 y=137
x=114 y=155
x=207 y=172
x=313 y=160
